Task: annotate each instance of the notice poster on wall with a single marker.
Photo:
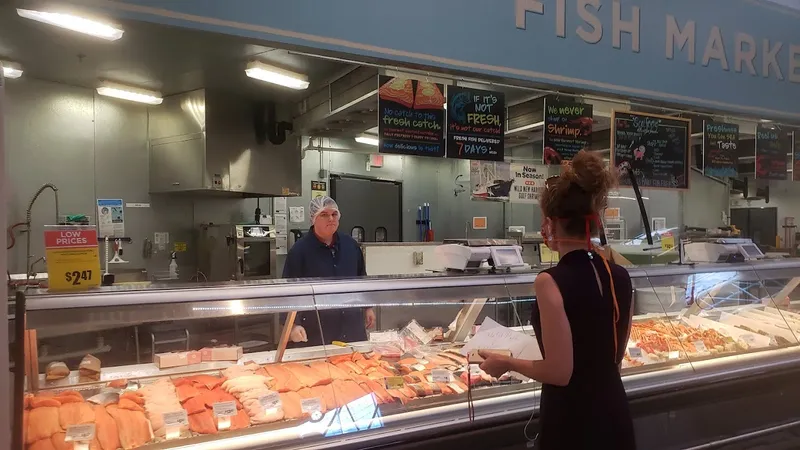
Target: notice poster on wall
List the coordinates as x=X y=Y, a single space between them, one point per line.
x=410 y=117
x=475 y=124
x=529 y=182
x=772 y=145
x=567 y=130
x=490 y=180
x=720 y=141
x=657 y=148
x=110 y=218
x=796 y=156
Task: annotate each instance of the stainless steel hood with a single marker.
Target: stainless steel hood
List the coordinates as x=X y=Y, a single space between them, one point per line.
x=210 y=142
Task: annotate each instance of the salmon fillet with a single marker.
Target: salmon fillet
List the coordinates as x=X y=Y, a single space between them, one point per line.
x=43 y=444
x=69 y=399
x=43 y=402
x=240 y=421
x=308 y=377
x=370 y=385
x=186 y=391
x=357 y=356
x=203 y=423
x=398 y=395
x=136 y=398
x=340 y=358
x=134 y=429
x=332 y=371
x=308 y=393
x=75 y=414
x=219 y=395
x=350 y=367
x=195 y=405
x=326 y=396
x=283 y=380
x=209 y=381
x=365 y=364
x=347 y=391
x=106 y=429
x=42 y=424
x=126 y=403
x=59 y=443
x=292 y=408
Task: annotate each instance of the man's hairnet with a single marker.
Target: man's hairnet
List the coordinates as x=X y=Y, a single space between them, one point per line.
x=320 y=204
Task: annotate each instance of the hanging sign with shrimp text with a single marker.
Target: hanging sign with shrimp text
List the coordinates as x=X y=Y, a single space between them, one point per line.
x=567 y=130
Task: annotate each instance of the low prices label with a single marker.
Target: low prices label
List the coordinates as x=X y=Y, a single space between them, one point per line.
x=73 y=259
x=667 y=241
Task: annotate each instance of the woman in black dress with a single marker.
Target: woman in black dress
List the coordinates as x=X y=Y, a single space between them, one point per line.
x=582 y=317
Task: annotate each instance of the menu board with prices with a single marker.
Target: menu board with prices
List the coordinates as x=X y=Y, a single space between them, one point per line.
x=410 y=117
x=567 y=130
x=772 y=145
x=475 y=124
x=796 y=156
x=657 y=148
x=720 y=141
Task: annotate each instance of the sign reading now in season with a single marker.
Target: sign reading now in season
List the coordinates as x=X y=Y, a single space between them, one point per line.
x=73 y=259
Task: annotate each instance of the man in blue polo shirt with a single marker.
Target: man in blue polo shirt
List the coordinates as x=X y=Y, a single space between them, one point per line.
x=326 y=253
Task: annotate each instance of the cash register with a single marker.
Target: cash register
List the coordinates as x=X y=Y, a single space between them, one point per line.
x=481 y=255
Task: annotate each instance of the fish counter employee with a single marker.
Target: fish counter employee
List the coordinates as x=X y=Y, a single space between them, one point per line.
x=326 y=253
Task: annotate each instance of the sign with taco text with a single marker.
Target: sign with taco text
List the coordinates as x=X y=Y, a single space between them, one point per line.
x=410 y=117
x=567 y=130
x=475 y=124
x=656 y=147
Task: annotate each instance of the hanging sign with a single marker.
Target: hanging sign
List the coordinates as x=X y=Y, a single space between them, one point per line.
x=657 y=147
x=772 y=145
x=410 y=117
x=567 y=130
x=529 y=182
x=475 y=123
x=490 y=180
x=73 y=260
x=796 y=156
x=720 y=141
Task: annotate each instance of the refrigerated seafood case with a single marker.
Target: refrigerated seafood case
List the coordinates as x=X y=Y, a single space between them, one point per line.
x=707 y=342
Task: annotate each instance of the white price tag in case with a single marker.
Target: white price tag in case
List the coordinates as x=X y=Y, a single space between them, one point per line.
x=700 y=346
x=225 y=409
x=310 y=405
x=441 y=376
x=674 y=354
x=177 y=419
x=80 y=433
x=634 y=352
x=270 y=401
x=749 y=339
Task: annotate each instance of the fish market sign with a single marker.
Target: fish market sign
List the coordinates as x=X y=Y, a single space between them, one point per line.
x=731 y=55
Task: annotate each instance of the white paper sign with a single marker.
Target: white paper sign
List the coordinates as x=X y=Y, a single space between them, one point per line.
x=80 y=433
x=441 y=376
x=224 y=409
x=281 y=245
x=176 y=419
x=310 y=405
x=297 y=214
x=493 y=336
x=270 y=401
x=279 y=205
x=634 y=352
x=110 y=218
x=700 y=346
x=281 y=229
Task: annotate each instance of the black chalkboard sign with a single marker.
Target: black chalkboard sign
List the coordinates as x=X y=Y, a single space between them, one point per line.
x=567 y=130
x=720 y=141
x=772 y=145
x=410 y=117
x=475 y=124
x=657 y=147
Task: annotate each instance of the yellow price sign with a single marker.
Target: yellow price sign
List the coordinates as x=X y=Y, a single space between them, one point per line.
x=73 y=260
x=667 y=242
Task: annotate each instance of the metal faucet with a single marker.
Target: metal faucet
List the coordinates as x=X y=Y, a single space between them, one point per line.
x=28 y=220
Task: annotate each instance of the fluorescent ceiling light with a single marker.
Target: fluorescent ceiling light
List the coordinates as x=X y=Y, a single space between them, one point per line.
x=368 y=140
x=129 y=93
x=74 y=23
x=275 y=75
x=10 y=70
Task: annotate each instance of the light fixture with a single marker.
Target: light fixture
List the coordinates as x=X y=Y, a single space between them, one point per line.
x=74 y=23
x=10 y=70
x=368 y=140
x=130 y=93
x=275 y=75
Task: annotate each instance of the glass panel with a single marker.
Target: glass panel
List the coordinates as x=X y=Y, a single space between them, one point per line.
x=779 y=282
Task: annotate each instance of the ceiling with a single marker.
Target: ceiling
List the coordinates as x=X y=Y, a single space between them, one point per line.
x=166 y=59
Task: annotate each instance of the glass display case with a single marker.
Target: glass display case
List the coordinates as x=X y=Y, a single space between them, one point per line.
x=208 y=366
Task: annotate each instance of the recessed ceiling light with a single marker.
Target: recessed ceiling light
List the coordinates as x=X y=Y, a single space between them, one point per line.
x=74 y=23
x=130 y=93
x=276 y=75
x=11 y=70
x=368 y=140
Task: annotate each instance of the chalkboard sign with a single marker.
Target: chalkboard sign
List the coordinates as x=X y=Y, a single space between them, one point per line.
x=657 y=147
x=475 y=124
x=410 y=117
x=796 y=156
x=772 y=145
x=720 y=141
x=567 y=130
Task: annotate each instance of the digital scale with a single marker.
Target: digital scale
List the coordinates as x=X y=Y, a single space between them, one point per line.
x=476 y=256
x=721 y=250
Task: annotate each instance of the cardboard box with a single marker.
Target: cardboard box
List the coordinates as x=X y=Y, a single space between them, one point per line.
x=221 y=353
x=176 y=359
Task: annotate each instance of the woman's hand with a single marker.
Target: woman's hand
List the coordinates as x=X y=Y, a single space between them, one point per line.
x=369 y=318
x=494 y=364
